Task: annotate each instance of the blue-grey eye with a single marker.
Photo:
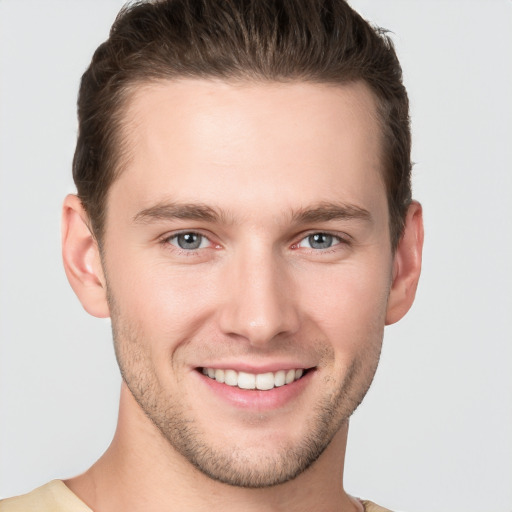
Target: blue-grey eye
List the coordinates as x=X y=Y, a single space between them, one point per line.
x=319 y=241
x=189 y=241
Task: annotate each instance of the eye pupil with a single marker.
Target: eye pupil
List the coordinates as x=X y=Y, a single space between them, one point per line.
x=189 y=240
x=320 y=241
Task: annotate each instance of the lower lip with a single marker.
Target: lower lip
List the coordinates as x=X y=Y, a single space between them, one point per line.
x=254 y=398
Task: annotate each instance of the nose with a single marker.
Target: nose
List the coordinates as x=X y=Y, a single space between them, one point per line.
x=260 y=303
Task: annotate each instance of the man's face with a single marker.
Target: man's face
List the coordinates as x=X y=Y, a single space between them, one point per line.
x=247 y=239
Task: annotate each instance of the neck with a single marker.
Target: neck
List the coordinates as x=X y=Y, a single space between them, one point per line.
x=140 y=471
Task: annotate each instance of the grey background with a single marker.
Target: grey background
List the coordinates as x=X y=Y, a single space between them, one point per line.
x=435 y=432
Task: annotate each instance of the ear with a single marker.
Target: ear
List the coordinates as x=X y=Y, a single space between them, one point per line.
x=406 y=265
x=82 y=261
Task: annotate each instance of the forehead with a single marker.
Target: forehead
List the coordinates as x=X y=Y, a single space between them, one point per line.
x=246 y=143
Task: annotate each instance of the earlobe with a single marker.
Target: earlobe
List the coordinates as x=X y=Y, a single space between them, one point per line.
x=81 y=257
x=406 y=265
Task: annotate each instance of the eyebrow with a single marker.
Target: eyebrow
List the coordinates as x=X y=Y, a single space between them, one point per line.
x=325 y=212
x=170 y=211
x=322 y=212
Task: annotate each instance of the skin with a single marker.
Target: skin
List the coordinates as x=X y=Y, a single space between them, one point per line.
x=257 y=293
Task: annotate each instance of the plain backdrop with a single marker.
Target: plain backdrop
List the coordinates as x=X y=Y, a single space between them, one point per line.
x=435 y=431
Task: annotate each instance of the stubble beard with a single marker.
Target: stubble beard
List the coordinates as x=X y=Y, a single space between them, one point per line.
x=236 y=465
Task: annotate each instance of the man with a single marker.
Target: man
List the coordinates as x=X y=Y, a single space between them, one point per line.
x=244 y=217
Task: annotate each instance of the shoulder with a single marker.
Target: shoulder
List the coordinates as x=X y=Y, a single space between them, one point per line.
x=52 y=497
x=372 y=507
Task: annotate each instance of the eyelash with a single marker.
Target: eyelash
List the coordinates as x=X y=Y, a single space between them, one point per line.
x=342 y=240
x=166 y=243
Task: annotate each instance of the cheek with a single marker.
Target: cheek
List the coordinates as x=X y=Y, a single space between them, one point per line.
x=350 y=307
x=166 y=303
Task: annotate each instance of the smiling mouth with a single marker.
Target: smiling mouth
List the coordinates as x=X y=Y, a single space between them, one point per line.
x=260 y=381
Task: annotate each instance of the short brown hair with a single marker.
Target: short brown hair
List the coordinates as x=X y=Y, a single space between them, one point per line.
x=322 y=41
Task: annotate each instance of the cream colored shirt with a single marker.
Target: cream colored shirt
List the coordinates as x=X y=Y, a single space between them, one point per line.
x=56 y=497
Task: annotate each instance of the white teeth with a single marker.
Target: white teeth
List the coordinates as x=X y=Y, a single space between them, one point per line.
x=261 y=381
x=246 y=380
x=290 y=376
x=219 y=375
x=230 y=377
x=280 y=378
x=265 y=381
